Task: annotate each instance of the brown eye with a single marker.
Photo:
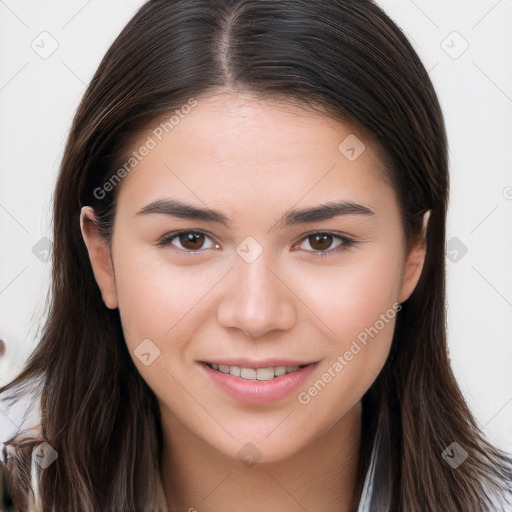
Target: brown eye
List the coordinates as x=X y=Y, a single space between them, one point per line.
x=191 y=241
x=325 y=244
x=320 y=241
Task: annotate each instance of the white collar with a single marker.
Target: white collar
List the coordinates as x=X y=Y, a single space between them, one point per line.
x=375 y=495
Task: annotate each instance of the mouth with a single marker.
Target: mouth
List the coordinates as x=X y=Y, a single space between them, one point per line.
x=261 y=374
x=258 y=382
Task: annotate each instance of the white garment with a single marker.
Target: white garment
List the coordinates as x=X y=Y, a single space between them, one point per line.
x=375 y=494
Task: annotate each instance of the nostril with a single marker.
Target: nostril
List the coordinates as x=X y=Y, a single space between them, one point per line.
x=3 y=347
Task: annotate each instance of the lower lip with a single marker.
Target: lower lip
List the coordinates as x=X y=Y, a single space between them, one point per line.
x=259 y=391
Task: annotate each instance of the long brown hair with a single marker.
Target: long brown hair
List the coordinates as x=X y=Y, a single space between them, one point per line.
x=349 y=61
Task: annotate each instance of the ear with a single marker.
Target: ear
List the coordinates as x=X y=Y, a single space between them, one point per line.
x=414 y=263
x=100 y=256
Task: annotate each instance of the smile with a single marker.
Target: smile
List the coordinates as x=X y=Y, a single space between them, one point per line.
x=250 y=382
x=262 y=374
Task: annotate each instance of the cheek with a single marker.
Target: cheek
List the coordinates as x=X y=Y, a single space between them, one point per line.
x=148 y=297
x=358 y=308
x=355 y=354
x=158 y=300
x=353 y=296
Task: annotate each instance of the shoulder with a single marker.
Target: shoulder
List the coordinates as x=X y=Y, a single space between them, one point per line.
x=20 y=414
x=20 y=436
x=20 y=470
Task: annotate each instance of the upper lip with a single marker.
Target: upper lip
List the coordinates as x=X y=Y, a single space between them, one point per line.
x=253 y=363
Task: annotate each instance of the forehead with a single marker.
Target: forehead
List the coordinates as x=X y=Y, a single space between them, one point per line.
x=233 y=148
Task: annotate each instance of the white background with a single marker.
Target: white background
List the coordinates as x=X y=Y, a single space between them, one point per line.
x=38 y=97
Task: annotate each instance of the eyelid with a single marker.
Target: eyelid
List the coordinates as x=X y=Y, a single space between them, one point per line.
x=165 y=241
x=347 y=241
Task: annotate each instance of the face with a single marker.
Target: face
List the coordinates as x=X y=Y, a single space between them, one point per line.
x=290 y=282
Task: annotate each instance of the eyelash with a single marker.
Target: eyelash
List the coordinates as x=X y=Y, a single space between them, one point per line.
x=346 y=242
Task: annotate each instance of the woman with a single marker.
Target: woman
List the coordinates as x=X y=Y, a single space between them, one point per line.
x=248 y=277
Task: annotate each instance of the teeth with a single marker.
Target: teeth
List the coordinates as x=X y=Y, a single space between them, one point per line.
x=265 y=373
x=255 y=373
x=235 y=371
x=248 y=373
x=280 y=370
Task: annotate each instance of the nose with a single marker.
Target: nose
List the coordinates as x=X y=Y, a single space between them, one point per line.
x=257 y=300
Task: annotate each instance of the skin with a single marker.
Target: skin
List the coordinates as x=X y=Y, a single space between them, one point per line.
x=255 y=159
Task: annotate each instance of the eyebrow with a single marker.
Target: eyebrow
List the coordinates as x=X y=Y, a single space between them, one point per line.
x=322 y=212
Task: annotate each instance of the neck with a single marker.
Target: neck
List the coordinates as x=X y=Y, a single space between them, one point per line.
x=322 y=476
